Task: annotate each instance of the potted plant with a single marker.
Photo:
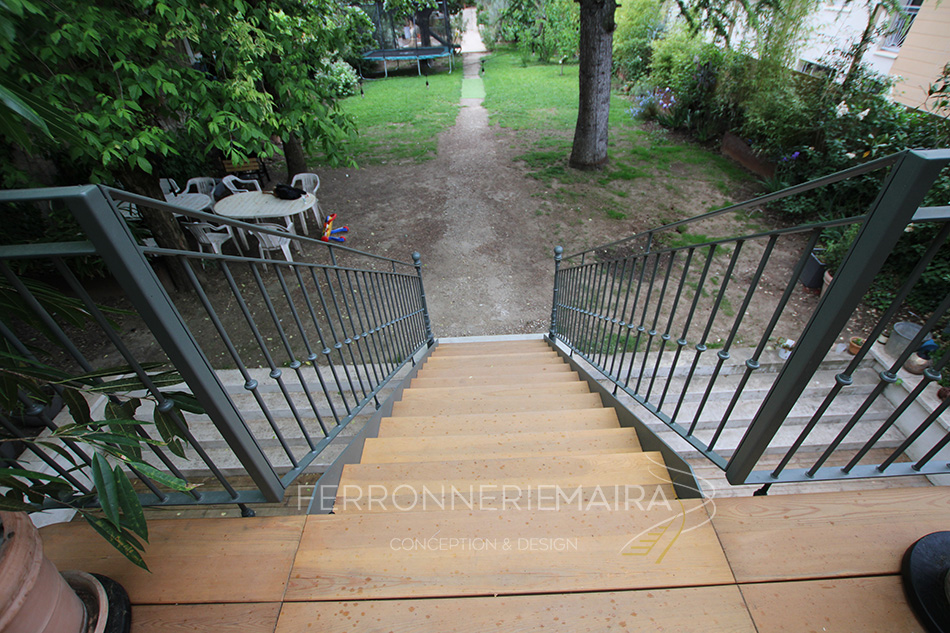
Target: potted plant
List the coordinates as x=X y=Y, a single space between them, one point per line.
x=33 y=596
x=855 y=344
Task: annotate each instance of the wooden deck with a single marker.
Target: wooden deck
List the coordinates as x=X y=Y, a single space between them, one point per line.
x=393 y=559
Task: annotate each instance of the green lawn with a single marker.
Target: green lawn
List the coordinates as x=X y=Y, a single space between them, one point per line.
x=398 y=119
x=540 y=103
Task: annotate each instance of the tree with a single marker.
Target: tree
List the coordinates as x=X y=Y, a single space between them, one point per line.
x=589 y=150
x=146 y=79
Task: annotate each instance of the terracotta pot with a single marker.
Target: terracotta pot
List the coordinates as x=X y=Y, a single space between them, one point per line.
x=34 y=598
x=855 y=345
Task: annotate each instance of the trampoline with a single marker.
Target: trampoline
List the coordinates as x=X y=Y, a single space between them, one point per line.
x=425 y=35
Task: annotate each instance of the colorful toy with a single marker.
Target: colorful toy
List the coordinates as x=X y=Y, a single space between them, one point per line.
x=330 y=233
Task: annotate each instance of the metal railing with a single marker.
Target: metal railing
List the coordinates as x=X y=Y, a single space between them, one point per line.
x=281 y=356
x=647 y=312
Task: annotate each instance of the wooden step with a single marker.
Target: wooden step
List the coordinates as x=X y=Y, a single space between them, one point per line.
x=500 y=347
x=369 y=556
x=513 y=369
x=494 y=379
x=498 y=446
x=494 y=360
x=492 y=391
x=527 y=402
x=854 y=533
x=501 y=483
x=491 y=423
x=710 y=610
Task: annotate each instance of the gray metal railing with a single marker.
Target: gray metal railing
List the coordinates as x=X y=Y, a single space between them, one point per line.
x=647 y=312
x=281 y=356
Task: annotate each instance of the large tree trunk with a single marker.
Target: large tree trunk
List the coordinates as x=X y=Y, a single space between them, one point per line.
x=596 y=55
x=293 y=154
x=162 y=224
x=422 y=21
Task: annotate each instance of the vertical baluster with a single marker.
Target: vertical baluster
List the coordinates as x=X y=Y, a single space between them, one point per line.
x=313 y=357
x=641 y=260
x=162 y=403
x=276 y=373
x=389 y=301
x=417 y=261
x=251 y=384
x=701 y=347
x=682 y=342
x=656 y=319
x=363 y=321
x=601 y=342
x=378 y=314
x=355 y=330
x=666 y=337
x=724 y=353
x=295 y=363
x=641 y=328
x=621 y=322
x=337 y=344
x=888 y=377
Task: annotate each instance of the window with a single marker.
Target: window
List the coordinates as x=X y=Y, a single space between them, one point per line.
x=900 y=24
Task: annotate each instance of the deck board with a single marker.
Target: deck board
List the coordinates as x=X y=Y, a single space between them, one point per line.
x=711 y=610
x=869 y=605
x=367 y=556
x=827 y=535
x=258 y=617
x=192 y=560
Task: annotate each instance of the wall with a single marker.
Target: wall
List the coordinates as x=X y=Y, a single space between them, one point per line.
x=924 y=53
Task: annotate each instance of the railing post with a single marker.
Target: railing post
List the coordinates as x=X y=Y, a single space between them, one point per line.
x=417 y=262
x=558 y=251
x=104 y=227
x=902 y=193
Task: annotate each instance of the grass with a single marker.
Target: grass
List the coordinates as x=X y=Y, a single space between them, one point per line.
x=541 y=102
x=399 y=118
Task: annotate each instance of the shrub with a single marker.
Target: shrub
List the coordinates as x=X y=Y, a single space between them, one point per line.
x=639 y=22
x=340 y=78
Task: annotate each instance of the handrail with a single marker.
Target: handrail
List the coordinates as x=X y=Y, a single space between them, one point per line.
x=313 y=344
x=644 y=319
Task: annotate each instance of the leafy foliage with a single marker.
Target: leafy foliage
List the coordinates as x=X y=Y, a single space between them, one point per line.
x=542 y=28
x=116 y=442
x=147 y=79
x=639 y=22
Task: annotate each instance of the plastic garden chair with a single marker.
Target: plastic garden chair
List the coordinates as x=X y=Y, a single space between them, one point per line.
x=267 y=242
x=210 y=235
x=309 y=183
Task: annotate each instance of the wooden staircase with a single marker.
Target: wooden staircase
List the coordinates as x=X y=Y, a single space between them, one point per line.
x=500 y=474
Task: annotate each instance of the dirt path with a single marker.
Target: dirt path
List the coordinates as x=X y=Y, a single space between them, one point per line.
x=487 y=264
x=486 y=234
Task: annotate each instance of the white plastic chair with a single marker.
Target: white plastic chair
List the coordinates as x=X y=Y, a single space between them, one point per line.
x=169 y=188
x=202 y=184
x=267 y=242
x=210 y=235
x=237 y=185
x=309 y=183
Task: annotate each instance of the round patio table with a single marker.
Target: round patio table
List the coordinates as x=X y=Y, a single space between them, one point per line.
x=258 y=205
x=191 y=201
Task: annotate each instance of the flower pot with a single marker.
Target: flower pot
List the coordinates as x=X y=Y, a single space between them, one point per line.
x=855 y=345
x=34 y=598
